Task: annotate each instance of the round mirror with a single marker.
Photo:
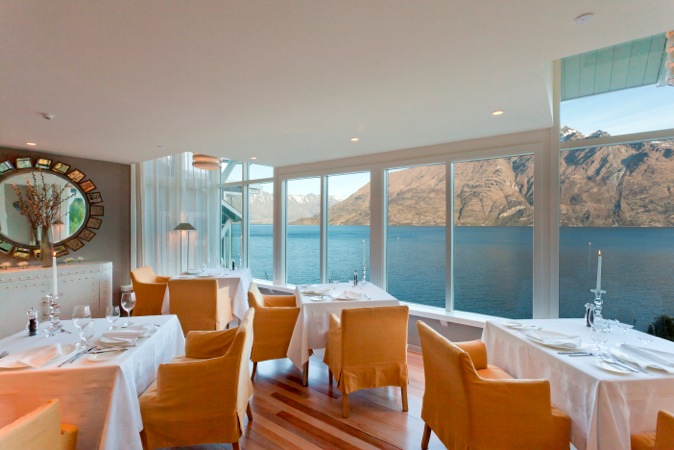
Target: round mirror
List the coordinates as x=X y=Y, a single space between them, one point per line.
x=72 y=215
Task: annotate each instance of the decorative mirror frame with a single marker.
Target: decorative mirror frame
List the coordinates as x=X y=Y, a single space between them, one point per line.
x=92 y=220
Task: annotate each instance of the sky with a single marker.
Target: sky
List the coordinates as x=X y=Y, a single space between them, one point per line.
x=646 y=108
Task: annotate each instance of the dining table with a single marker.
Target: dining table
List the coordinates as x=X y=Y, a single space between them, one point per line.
x=238 y=281
x=316 y=302
x=98 y=392
x=606 y=397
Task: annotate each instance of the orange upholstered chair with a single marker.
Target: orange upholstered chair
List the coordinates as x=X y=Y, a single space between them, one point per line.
x=38 y=430
x=204 y=396
x=367 y=348
x=149 y=289
x=662 y=439
x=200 y=304
x=275 y=320
x=469 y=404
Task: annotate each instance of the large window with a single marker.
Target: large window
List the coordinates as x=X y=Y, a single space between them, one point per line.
x=261 y=230
x=493 y=236
x=616 y=196
x=415 y=249
x=348 y=225
x=617 y=199
x=303 y=243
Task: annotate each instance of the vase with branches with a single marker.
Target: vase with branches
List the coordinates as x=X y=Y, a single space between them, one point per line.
x=40 y=204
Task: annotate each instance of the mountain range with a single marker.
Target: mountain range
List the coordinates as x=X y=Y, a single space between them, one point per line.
x=624 y=185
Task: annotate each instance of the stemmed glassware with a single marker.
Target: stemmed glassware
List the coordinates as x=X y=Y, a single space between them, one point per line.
x=335 y=282
x=645 y=338
x=600 y=334
x=81 y=318
x=112 y=314
x=128 y=302
x=624 y=327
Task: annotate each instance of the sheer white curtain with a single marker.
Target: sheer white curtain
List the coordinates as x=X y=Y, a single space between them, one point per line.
x=170 y=191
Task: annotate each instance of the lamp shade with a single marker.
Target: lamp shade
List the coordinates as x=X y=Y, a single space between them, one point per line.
x=205 y=162
x=184 y=227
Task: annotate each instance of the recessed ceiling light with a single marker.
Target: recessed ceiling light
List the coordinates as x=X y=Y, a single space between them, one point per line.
x=32 y=144
x=498 y=112
x=354 y=139
x=253 y=157
x=583 y=18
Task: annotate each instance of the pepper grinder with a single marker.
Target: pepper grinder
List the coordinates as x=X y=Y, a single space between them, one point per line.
x=32 y=322
x=355 y=278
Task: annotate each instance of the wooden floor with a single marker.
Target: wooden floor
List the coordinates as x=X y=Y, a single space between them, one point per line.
x=287 y=415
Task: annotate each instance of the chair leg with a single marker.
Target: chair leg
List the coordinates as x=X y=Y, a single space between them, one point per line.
x=249 y=413
x=345 y=404
x=329 y=377
x=403 y=394
x=252 y=377
x=426 y=437
x=235 y=445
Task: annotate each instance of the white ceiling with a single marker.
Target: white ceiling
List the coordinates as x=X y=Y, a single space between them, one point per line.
x=289 y=81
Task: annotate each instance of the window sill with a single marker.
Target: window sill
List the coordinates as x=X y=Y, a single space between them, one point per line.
x=459 y=317
x=416 y=310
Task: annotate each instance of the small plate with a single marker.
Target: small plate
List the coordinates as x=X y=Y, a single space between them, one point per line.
x=318 y=298
x=98 y=357
x=611 y=367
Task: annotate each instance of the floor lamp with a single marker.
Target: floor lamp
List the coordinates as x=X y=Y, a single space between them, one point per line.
x=185 y=227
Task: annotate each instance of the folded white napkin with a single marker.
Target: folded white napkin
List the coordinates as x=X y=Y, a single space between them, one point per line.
x=350 y=295
x=125 y=337
x=658 y=356
x=633 y=357
x=35 y=357
x=315 y=290
x=554 y=339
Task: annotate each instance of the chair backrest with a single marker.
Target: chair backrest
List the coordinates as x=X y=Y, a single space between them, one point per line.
x=244 y=384
x=143 y=275
x=149 y=291
x=255 y=297
x=445 y=396
x=374 y=335
x=199 y=304
x=664 y=436
x=38 y=430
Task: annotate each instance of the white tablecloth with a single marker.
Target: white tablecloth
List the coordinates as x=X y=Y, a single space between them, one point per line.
x=238 y=281
x=101 y=398
x=311 y=330
x=604 y=407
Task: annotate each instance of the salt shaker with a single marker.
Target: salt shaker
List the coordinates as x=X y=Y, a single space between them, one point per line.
x=32 y=322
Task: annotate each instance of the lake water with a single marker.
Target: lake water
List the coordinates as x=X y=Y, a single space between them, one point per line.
x=493 y=266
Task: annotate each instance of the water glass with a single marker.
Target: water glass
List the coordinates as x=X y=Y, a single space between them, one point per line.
x=128 y=302
x=81 y=318
x=112 y=314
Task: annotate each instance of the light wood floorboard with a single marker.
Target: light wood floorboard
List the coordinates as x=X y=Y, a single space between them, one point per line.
x=287 y=415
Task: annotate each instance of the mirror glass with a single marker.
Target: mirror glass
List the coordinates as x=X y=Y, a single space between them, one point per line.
x=13 y=225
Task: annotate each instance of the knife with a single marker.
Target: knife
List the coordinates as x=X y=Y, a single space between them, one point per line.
x=3 y=354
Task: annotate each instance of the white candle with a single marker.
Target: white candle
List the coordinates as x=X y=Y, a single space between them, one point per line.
x=54 y=285
x=599 y=272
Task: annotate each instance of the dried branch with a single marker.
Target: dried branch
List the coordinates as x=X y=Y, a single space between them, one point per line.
x=42 y=202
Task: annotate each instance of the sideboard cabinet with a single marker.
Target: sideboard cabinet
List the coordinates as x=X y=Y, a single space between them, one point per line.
x=86 y=283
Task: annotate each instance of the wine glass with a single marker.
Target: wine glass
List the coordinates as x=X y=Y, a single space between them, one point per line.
x=81 y=318
x=112 y=314
x=645 y=338
x=335 y=282
x=600 y=334
x=128 y=303
x=624 y=327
